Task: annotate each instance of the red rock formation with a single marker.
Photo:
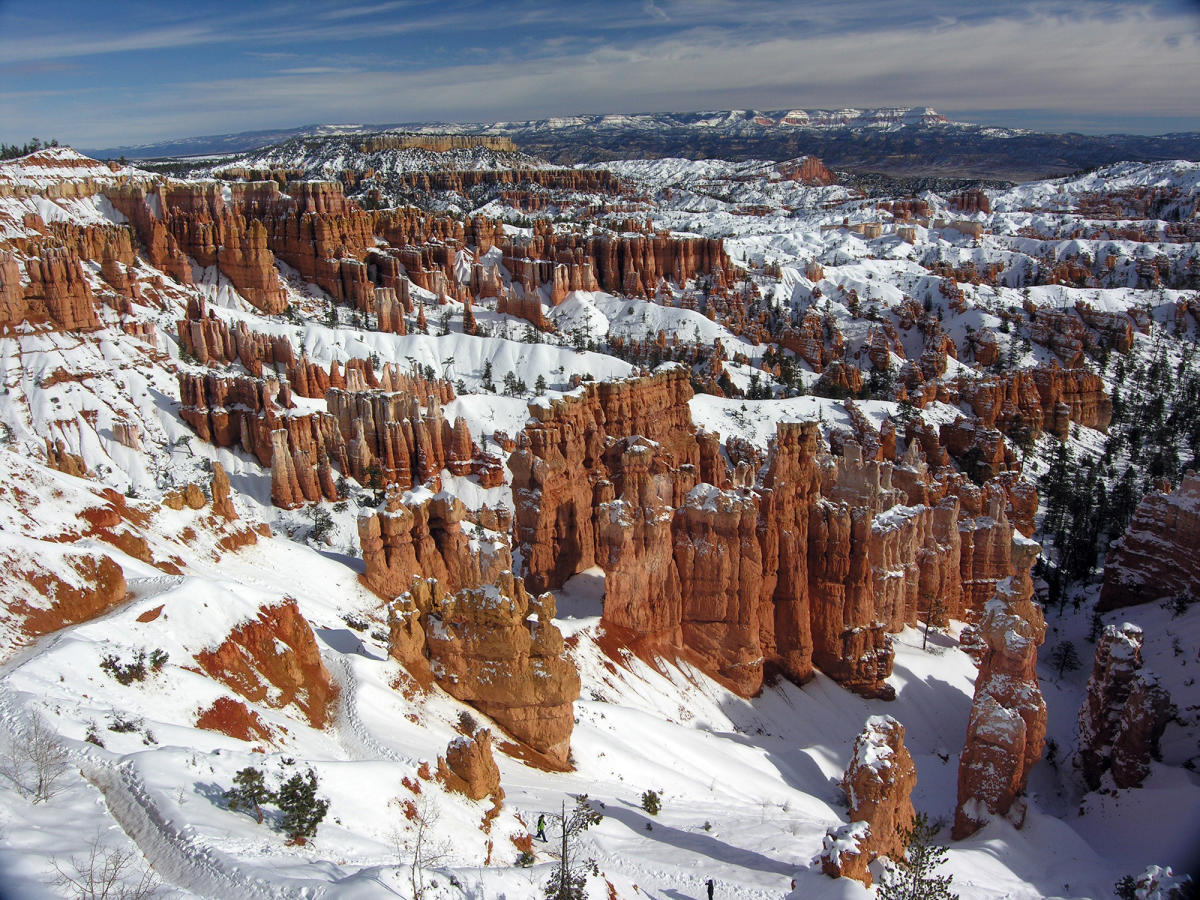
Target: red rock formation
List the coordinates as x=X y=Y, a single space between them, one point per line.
x=629 y=265
x=1156 y=558
x=849 y=643
x=13 y=307
x=1124 y=712
x=88 y=584
x=222 y=502
x=790 y=488
x=379 y=436
x=720 y=579
x=981 y=451
x=634 y=547
x=878 y=785
x=246 y=261
x=1007 y=726
x=1072 y=396
x=426 y=540
x=61 y=460
x=807 y=170
x=486 y=651
x=57 y=285
x=986 y=539
x=1010 y=403
x=1062 y=332
x=468 y=767
x=232 y=717
x=559 y=463
x=840 y=378
x=274 y=660
x=971 y=201
x=1116 y=329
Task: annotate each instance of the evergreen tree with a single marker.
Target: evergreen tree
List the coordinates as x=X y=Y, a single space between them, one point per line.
x=1064 y=657
x=302 y=809
x=249 y=792
x=913 y=877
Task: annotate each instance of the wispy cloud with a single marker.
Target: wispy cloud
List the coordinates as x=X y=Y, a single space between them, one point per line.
x=351 y=12
x=657 y=12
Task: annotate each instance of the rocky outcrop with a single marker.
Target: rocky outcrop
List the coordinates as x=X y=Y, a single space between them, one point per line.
x=1007 y=726
x=59 y=458
x=468 y=767
x=559 y=464
x=631 y=265
x=13 y=306
x=402 y=541
x=634 y=546
x=1144 y=718
x=274 y=660
x=806 y=170
x=233 y=718
x=1156 y=558
x=1115 y=328
x=380 y=436
x=789 y=490
x=981 y=451
x=1124 y=712
x=1072 y=395
x=84 y=585
x=971 y=201
x=1062 y=332
x=58 y=289
x=222 y=501
x=719 y=562
x=986 y=540
x=495 y=647
x=878 y=784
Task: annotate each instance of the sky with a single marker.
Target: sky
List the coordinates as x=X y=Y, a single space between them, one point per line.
x=105 y=73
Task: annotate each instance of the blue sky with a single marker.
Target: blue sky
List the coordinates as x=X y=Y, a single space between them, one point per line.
x=100 y=73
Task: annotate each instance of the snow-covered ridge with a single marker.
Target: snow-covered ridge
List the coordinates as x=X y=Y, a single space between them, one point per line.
x=52 y=167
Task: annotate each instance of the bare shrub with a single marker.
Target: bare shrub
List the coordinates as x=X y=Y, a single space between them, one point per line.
x=106 y=873
x=35 y=761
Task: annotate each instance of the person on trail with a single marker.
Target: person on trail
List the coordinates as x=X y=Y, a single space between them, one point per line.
x=709 y=885
x=541 y=828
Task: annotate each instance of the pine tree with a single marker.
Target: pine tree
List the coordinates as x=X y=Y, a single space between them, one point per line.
x=249 y=792
x=1064 y=657
x=302 y=809
x=913 y=877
